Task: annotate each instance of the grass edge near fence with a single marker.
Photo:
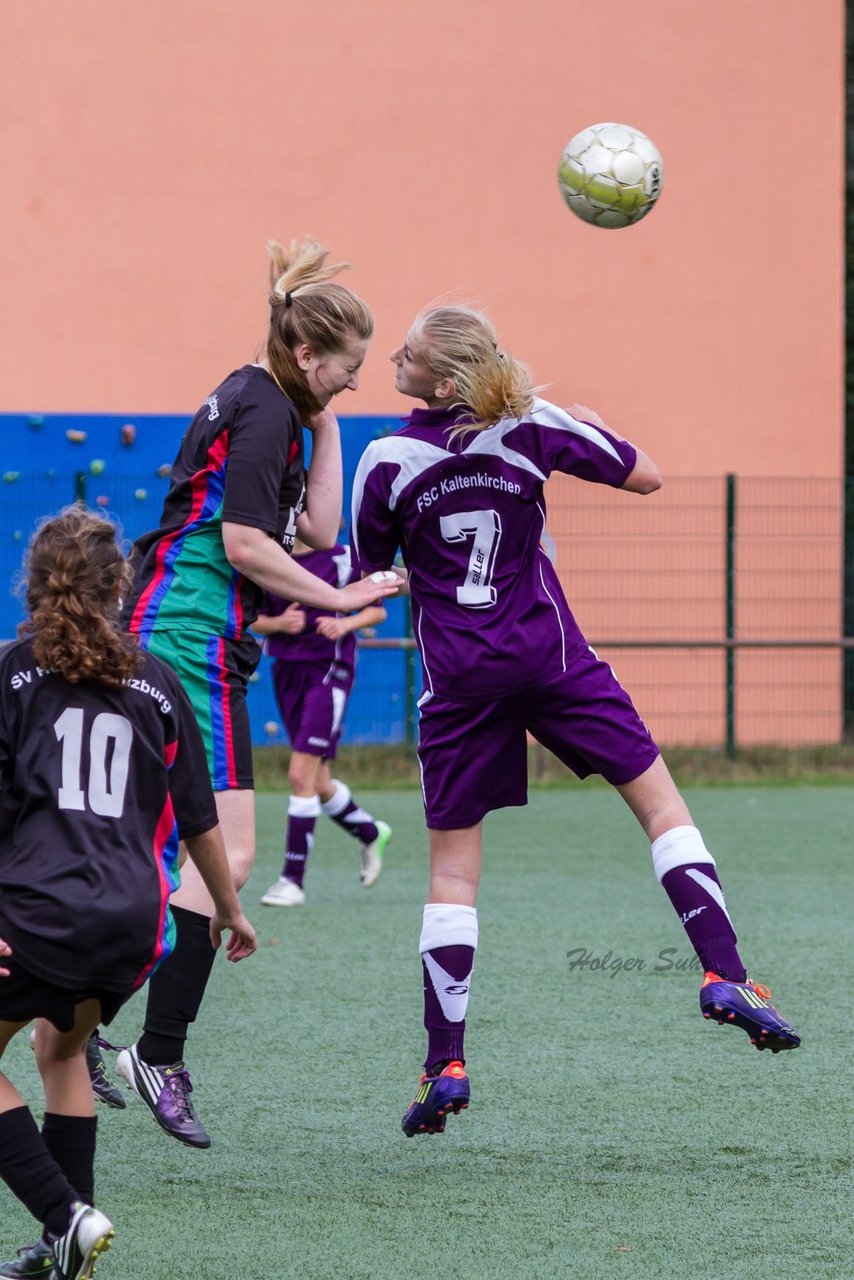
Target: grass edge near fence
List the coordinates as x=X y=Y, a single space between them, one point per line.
x=396 y=767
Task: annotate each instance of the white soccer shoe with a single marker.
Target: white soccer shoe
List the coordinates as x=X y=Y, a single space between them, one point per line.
x=372 y=856
x=284 y=893
x=75 y=1253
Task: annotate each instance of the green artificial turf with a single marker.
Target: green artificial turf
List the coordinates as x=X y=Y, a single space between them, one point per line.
x=612 y=1132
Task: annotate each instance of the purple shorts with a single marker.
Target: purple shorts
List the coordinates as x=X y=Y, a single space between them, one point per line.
x=312 y=700
x=474 y=756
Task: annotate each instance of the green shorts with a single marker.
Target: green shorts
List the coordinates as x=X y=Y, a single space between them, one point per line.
x=215 y=673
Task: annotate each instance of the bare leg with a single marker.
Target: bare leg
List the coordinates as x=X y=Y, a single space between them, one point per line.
x=9 y=1096
x=447 y=946
x=61 y=1060
x=325 y=788
x=655 y=801
x=236 y=810
x=50 y=1170
x=685 y=869
x=455 y=863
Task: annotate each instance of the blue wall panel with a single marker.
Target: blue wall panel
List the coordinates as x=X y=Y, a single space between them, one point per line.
x=42 y=470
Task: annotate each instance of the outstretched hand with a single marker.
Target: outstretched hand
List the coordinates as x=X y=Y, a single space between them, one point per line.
x=358 y=595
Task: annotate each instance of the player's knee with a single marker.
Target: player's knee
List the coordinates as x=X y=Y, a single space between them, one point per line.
x=52 y=1052
x=301 y=775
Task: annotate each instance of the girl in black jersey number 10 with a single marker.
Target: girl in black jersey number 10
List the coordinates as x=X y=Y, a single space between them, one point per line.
x=460 y=489
x=102 y=771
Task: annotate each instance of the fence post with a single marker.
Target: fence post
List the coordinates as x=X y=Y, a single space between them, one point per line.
x=848 y=611
x=730 y=616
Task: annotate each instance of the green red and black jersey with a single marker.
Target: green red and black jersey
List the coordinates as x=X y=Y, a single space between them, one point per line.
x=97 y=787
x=240 y=461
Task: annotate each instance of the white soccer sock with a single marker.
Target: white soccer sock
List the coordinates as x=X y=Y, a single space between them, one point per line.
x=304 y=806
x=445 y=924
x=448 y=925
x=339 y=801
x=678 y=847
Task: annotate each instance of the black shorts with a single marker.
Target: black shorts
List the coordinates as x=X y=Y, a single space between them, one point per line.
x=24 y=997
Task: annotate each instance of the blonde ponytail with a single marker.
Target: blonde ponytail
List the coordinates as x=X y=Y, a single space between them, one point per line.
x=307 y=308
x=461 y=344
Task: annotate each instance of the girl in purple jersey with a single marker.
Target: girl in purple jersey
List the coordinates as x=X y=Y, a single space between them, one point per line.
x=460 y=490
x=314 y=665
x=101 y=772
x=238 y=496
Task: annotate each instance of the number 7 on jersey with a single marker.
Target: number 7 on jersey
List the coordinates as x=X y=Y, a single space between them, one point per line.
x=484 y=529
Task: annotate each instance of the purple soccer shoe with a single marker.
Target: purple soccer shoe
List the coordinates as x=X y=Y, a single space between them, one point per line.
x=747 y=1005
x=436 y=1096
x=166 y=1092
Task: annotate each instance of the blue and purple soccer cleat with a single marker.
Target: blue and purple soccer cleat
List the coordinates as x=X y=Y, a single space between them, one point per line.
x=436 y=1096
x=747 y=1005
x=166 y=1092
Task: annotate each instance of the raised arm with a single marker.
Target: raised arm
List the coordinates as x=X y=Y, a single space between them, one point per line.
x=318 y=524
x=645 y=476
x=257 y=556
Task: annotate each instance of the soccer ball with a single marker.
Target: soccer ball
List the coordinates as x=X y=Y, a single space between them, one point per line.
x=610 y=175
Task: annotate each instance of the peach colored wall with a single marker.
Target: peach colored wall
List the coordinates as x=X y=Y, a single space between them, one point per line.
x=653 y=570
x=148 y=150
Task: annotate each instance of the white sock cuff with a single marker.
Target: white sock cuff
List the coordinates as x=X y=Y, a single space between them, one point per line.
x=677 y=848
x=339 y=801
x=447 y=925
x=304 y=806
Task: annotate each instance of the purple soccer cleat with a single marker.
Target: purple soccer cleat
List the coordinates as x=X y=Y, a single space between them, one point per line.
x=747 y=1005
x=166 y=1092
x=437 y=1095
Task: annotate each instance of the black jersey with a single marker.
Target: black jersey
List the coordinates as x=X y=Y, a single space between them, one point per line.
x=96 y=788
x=241 y=461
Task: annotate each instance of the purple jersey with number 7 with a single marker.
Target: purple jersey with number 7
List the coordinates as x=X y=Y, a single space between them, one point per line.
x=468 y=514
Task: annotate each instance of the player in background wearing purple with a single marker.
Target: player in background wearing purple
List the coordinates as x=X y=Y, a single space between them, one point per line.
x=238 y=496
x=314 y=664
x=102 y=769
x=460 y=489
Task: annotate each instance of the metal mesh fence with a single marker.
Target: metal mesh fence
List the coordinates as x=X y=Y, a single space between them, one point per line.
x=722 y=603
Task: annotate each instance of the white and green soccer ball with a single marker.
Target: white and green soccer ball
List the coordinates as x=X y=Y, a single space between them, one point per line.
x=610 y=175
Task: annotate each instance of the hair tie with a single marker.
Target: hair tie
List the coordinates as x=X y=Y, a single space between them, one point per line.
x=288 y=299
